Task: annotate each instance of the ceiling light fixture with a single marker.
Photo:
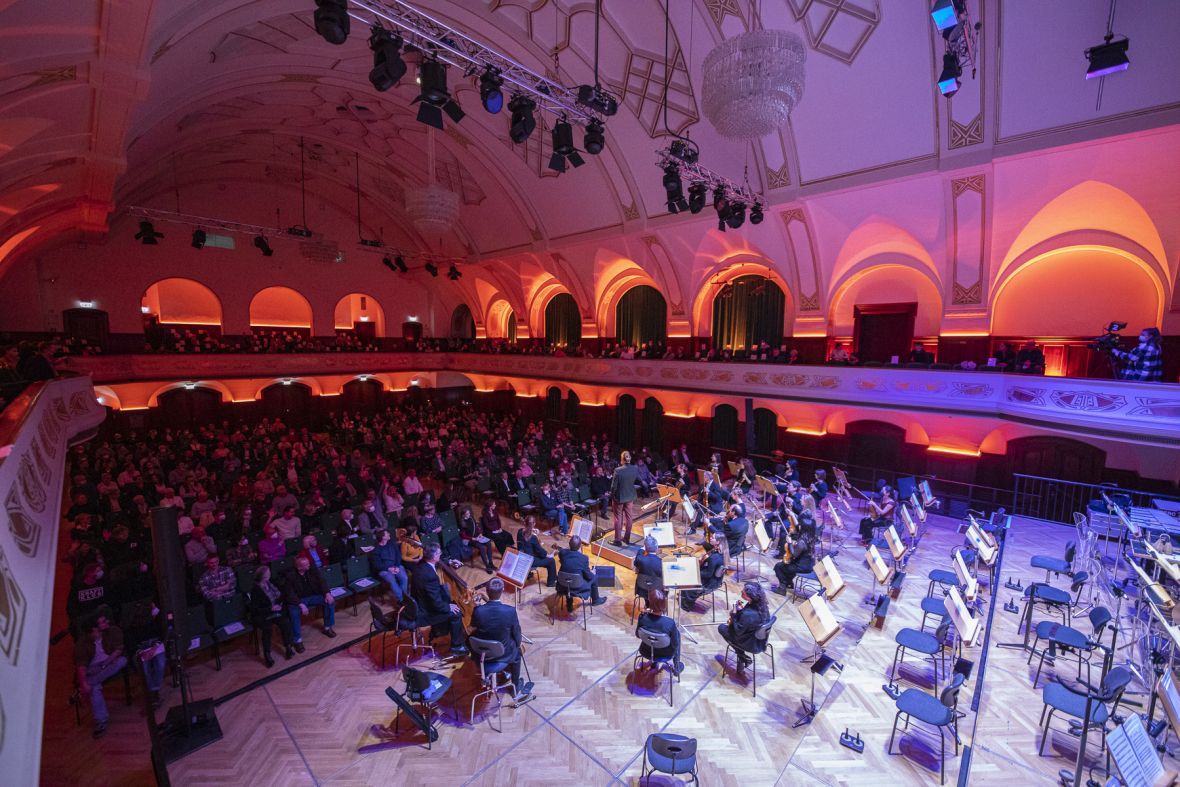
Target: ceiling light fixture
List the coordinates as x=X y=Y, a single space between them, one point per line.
x=432 y=269
x=490 y=92
x=752 y=82
x=453 y=274
x=388 y=66
x=523 y=123
x=199 y=238
x=953 y=21
x=332 y=21
x=1108 y=58
x=435 y=98
x=264 y=247
x=563 y=147
x=147 y=234
x=400 y=262
x=697 y=193
x=948 y=80
x=674 y=189
x=595 y=138
x=945 y=13
x=756 y=215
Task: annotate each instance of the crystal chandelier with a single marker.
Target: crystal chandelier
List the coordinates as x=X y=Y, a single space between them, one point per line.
x=752 y=82
x=433 y=209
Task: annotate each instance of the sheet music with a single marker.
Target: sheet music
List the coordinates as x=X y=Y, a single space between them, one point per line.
x=986 y=553
x=515 y=567
x=582 y=528
x=761 y=535
x=965 y=624
x=895 y=546
x=880 y=570
x=819 y=619
x=1169 y=698
x=662 y=532
x=682 y=572
x=927 y=495
x=908 y=521
x=1134 y=755
x=829 y=578
x=966 y=579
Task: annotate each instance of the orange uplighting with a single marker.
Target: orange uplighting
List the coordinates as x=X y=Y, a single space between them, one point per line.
x=680 y=415
x=186 y=322
x=964 y=333
x=593 y=404
x=809 y=336
x=485 y=390
x=806 y=431
x=328 y=393
x=129 y=409
x=527 y=396
x=946 y=449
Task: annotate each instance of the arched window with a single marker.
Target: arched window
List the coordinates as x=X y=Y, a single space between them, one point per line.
x=725 y=427
x=765 y=430
x=563 y=322
x=641 y=317
x=652 y=432
x=462 y=323
x=572 y=405
x=626 y=413
x=748 y=311
x=510 y=333
x=553 y=404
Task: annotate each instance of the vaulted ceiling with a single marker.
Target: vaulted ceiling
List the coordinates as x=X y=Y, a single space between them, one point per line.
x=109 y=104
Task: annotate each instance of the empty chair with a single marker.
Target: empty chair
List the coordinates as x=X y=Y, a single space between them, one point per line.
x=932 y=646
x=932 y=606
x=380 y=624
x=407 y=620
x=944 y=579
x=939 y=712
x=1061 y=638
x=671 y=754
x=1063 y=699
x=1055 y=565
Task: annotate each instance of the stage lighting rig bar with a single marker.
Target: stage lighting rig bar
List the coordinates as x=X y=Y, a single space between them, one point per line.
x=439 y=40
x=693 y=172
x=966 y=44
x=204 y=222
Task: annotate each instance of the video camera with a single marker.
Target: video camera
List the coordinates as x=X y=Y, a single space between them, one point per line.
x=1110 y=338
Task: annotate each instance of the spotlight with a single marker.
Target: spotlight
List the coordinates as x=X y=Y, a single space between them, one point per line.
x=522 y=124
x=594 y=140
x=685 y=150
x=432 y=269
x=946 y=13
x=948 y=80
x=736 y=216
x=400 y=262
x=674 y=189
x=489 y=90
x=147 y=234
x=453 y=274
x=696 y=197
x=388 y=263
x=719 y=201
x=388 y=66
x=331 y=20
x=199 y=238
x=596 y=98
x=435 y=98
x=563 y=147
x=756 y=213
x=1108 y=58
x=264 y=247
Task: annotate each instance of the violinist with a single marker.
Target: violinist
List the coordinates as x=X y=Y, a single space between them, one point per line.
x=744 y=622
x=882 y=514
x=819 y=488
x=797 y=559
x=528 y=543
x=715 y=494
x=712 y=575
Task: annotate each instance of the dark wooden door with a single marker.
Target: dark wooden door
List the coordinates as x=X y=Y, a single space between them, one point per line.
x=884 y=330
x=185 y=407
x=93 y=325
x=290 y=403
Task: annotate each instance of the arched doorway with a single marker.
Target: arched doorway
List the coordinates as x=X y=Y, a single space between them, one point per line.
x=462 y=323
x=187 y=407
x=553 y=404
x=625 y=430
x=563 y=322
x=289 y=402
x=363 y=395
x=572 y=408
x=747 y=311
x=176 y=309
x=765 y=431
x=652 y=426
x=641 y=317
x=360 y=314
x=725 y=427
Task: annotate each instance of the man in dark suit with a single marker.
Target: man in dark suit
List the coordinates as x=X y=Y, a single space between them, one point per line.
x=710 y=580
x=622 y=495
x=734 y=528
x=573 y=561
x=648 y=564
x=715 y=494
x=435 y=607
x=497 y=621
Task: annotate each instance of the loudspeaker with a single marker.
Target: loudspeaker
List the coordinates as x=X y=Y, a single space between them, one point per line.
x=169 y=566
x=606 y=576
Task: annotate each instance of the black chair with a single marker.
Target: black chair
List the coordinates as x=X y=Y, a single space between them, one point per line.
x=643 y=585
x=671 y=754
x=1056 y=565
x=380 y=624
x=761 y=646
x=491 y=668
x=653 y=641
x=932 y=646
x=1065 y=639
x=229 y=621
x=76 y=697
x=425 y=689
x=939 y=712
x=200 y=633
x=720 y=575
x=568 y=588
x=407 y=620
x=1070 y=701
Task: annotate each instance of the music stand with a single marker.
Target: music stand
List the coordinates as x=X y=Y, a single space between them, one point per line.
x=735 y=468
x=679 y=574
x=966 y=578
x=824 y=627
x=387 y=737
x=662 y=532
x=514 y=571
x=896 y=548
x=829 y=578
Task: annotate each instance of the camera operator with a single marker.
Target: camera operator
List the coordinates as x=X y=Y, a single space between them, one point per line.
x=1145 y=362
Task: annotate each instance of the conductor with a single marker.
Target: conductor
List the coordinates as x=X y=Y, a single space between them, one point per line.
x=622 y=495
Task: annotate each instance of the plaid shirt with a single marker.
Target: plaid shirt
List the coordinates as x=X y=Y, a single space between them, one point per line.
x=1144 y=363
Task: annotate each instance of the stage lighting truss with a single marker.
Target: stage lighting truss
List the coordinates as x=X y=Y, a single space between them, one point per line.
x=693 y=174
x=961 y=37
x=441 y=42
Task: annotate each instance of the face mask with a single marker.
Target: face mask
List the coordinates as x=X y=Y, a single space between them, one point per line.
x=97 y=575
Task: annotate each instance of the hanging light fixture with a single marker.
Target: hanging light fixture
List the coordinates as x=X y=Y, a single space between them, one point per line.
x=752 y=82
x=432 y=208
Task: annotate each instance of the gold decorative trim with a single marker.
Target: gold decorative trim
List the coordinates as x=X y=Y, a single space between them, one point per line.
x=969 y=295
x=964 y=136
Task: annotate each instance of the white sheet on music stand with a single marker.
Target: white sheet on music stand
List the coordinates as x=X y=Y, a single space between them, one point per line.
x=662 y=532
x=1165 y=689
x=967 y=626
x=582 y=528
x=927 y=495
x=908 y=521
x=966 y=578
x=1134 y=755
x=761 y=535
x=819 y=619
x=682 y=572
x=896 y=548
x=515 y=567
x=876 y=564
x=987 y=554
x=829 y=578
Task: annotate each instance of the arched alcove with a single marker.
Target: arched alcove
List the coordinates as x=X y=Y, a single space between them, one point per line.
x=746 y=311
x=725 y=427
x=553 y=403
x=887 y=284
x=765 y=430
x=563 y=322
x=280 y=307
x=652 y=426
x=625 y=433
x=357 y=310
x=462 y=323
x=179 y=301
x=641 y=316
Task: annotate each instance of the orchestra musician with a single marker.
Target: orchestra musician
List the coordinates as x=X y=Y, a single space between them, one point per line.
x=715 y=494
x=744 y=622
x=654 y=619
x=435 y=606
x=528 y=544
x=882 y=514
x=819 y=488
x=734 y=528
x=710 y=563
x=648 y=564
x=498 y=621
x=797 y=559
x=573 y=561
x=622 y=495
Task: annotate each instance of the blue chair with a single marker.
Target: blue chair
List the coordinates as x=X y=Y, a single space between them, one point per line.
x=1056 y=565
x=491 y=669
x=1070 y=640
x=939 y=712
x=944 y=579
x=671 y=754
x=931 y=645
x=932 y=606
x=653 y=641
x=1069 y=702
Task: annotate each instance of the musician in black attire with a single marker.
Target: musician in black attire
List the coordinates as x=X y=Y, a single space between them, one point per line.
x=498 y=621
x=715 y=494
x=654 y=619
x=819 y=489
x=493 y=529
x=883 y=510
x=734 y=528
x=648 y=564
x=802 y=561
x=744 y=622
x=435 y=607
x=528 y=544
x=710 y=563
x=573 y=561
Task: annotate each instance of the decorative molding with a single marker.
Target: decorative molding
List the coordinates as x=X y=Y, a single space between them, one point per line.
x=809 y=303
x=719 y=9
x=970 y=291
x=967 y=296
x=819 y=16
x=964 y=136
x=631 y=212
x=778 y=178
x=969 y=183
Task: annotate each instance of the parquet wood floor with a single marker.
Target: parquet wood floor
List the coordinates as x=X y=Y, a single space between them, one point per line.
x=592 y=714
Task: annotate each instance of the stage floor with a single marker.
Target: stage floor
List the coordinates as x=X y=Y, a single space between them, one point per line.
x=592 y=713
